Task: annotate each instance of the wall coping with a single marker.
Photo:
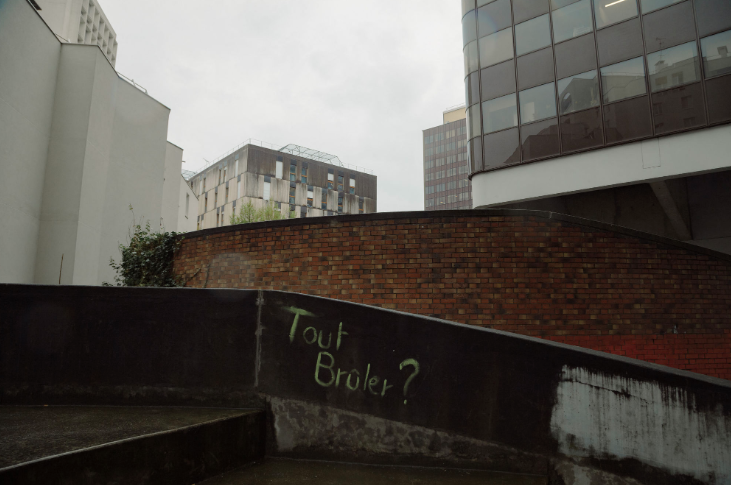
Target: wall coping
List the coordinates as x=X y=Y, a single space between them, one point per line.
x=479 y=212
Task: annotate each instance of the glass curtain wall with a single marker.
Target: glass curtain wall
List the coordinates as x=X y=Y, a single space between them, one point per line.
x=550 y=77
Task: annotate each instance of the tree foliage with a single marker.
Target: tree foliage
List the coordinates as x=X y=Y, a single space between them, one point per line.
x=248 y=213
x=148 y=258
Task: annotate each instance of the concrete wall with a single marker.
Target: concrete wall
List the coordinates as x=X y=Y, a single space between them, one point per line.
x=356 y=383
x=171 y=186
x=78 y=146
x=187 y=207
x=539 y=274
x=27 y=92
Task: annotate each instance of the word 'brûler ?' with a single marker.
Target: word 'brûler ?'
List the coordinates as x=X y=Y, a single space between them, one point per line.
x=327 y=375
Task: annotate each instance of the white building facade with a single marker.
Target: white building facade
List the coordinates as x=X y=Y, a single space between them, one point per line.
x=80 y=22
x=79 y=145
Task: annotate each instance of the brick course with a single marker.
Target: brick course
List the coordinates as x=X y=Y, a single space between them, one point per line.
x=536 y=274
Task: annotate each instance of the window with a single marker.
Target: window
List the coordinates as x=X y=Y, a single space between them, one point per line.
x=469 y=28
x=532 y=35
x=471 y=61
x=452 y=172
x=222 y=219
x=331 y=179
x=310 y=196
x=291 y=195
x=292 y=171
x=340 y=183
x=451 y=185
x=537 y=103
x=203 y=189
x=304 y=173
x=463 y=183
x=267 y=188
x=352 y=186
x=430 y=203
x=340 y=203
x=440 y=162
x=623 y=80
x=473 y=121
x=650 y=5
x=578 y=92
x=279 y=169
x=571 y=18
x=716 y=58
x=428 y=164
x=226 y=199
x=673 y=67
x=499 y=113
x=430 y=189
x=496 y=48
x=236 y=169
x=360 y=205
x=608 y=12
x=205 y=205
x=220 y=174
x=323 y=204
x=238 y=188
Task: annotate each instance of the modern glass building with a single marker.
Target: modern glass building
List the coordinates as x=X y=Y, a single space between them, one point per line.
x=570 y=96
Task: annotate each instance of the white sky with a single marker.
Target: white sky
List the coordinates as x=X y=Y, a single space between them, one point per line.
x=359 y=80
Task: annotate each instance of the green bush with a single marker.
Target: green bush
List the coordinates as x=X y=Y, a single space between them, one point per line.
x=148 y=258
x=248 y=214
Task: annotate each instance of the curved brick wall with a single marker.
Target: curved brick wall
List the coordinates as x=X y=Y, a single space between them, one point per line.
x=533 y=273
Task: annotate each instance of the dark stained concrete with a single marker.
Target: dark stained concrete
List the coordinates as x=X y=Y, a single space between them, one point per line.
x=34 y=432
x=286 y=472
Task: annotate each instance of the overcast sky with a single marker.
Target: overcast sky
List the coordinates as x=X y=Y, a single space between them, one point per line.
x=359 y=80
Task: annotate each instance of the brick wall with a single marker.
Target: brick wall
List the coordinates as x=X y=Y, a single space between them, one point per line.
x=538 y=274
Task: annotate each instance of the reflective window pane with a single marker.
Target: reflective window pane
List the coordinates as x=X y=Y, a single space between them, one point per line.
x=474 y=154
x=669 y=27
x=493 y=17
x=499 y=113
x=473 y=121
x=474 y=86
x=535 y=68
x=623 y=80
x=501 y=149
x=539 y=140
x=496 y=48
x=471 y=61
x=712 y=16
x=673 y=67
x=528 y=9
x=480 y=3
x=718 y=93
x=650 y=5
x=578 y=92
x=467 y=5
x=628 y=120
x=580 y=131
x=608 y=12
x=537 y=103
x=469 y=28
x=716 y=51
x=678 y=109
x=575 y=56
x=498 y=80
x=571 y=20
x=620 y=42
x=532 y=35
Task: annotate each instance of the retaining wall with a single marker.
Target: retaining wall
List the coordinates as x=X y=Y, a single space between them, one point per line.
x=534 y=273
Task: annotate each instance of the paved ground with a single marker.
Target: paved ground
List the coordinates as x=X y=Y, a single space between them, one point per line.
x=286 y=472
x=32 y=432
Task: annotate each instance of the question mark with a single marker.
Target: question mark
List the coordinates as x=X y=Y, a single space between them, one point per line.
x=413 y=363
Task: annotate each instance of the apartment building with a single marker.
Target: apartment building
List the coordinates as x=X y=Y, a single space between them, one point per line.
x=80 y=22
x=446 y=168
x=298 y=180
x=616 y=111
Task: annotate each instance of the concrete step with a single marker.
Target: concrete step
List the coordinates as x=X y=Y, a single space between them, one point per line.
x=290 y=472
x=97 y=445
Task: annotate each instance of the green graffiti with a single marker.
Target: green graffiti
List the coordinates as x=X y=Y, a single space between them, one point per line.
x=413 y=363
x=314 y=335
x=322 y=366
x=340 y=336
x=357 y=380
x=297 y=312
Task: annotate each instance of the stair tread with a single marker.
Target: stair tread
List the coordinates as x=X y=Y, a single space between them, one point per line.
x=289 y=472
x=30 y=433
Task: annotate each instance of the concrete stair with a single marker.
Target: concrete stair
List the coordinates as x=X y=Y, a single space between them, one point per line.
x=291 y=472
x=99 y=445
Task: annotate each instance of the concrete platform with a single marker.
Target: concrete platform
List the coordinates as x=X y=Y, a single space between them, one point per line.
x=291 y=472
x=125 y=444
